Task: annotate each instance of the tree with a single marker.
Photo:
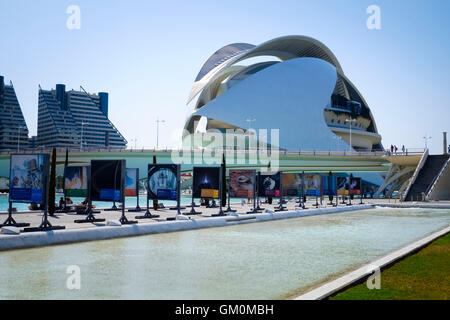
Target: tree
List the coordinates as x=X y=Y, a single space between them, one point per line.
x=155 y=201
x=350 y=184
x=330 y=175
x=303 y=187
x=269 y=198
x=224 y=181
x=66 y=163
x=52 y=185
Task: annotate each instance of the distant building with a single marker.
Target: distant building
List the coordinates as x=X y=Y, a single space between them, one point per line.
x=13 y=129
x=76 y=119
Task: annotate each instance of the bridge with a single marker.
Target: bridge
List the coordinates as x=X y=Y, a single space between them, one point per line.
x=398 y=168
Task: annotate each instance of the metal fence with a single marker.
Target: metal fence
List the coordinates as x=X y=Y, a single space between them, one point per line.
x=269 y=151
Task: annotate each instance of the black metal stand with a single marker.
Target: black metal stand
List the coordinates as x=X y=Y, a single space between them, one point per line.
x=221 y=213
x=349 y=201
x=258 y=203
x=193 y=205
x=303 y=191
x=90 y=218
x=123 y=219
x=192 y=211
x=331 y=201
x=138 y=208
x=10 y=222
x=257 y=194
x=303 y=203
x=147 y=214
x=255 y=203
x=45 y=224
x=280 y=205
x=229 y=209
x=229 y=206
x=113 y=208
x=317 y=203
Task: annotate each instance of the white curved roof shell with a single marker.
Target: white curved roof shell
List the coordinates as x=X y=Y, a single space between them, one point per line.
x=223 y=85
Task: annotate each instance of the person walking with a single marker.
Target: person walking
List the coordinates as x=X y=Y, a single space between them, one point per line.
x=392 y=149
x=395 y=149
x=403 y=149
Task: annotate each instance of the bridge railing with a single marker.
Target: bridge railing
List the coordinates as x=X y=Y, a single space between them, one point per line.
x=373 y=153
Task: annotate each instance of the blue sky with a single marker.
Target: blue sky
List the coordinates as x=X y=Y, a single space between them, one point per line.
x=146 y=54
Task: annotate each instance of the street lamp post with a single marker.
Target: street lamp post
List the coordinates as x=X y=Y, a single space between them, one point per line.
x=248 y=131
x=350 y=121
x=426 y=138
x=81 y=140
x=250 y=122
x=135 y=142
x=157 y=131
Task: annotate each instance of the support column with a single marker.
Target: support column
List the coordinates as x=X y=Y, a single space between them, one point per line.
x=444 y=136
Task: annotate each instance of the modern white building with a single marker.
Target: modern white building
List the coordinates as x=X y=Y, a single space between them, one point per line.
x=292 y=83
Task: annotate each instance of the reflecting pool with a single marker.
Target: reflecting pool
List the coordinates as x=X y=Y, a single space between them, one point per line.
x=265 y=260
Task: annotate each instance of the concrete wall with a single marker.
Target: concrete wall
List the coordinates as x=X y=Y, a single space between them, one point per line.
x=442 y=188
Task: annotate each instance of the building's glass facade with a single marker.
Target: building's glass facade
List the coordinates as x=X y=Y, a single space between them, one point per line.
x=76 y=119
x=13 y=129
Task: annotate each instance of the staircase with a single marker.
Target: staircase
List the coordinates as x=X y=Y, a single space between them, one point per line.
x=426 y=177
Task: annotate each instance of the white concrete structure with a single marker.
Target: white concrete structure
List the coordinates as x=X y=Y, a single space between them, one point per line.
x=333 y=287
x=294 y=84
x=37 y=239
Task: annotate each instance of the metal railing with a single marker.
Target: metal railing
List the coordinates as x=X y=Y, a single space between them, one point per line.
x=374 y=153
